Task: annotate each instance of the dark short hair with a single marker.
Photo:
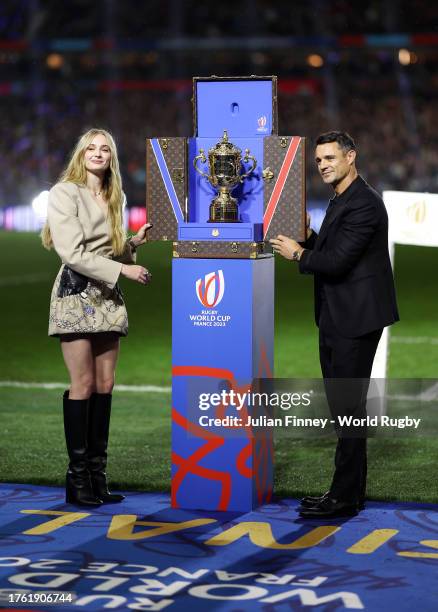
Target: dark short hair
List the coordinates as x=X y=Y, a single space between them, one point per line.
x=343 y=139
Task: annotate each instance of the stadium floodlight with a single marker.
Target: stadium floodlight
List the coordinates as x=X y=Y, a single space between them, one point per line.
x=404 y=57
x=55 y=61
x=315 y=60
x=39 y=204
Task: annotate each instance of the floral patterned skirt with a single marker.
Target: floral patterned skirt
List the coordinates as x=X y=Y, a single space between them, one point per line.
x=96 y=309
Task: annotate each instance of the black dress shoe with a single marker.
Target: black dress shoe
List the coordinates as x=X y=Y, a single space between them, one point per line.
x=310 y=502
x=330 y=508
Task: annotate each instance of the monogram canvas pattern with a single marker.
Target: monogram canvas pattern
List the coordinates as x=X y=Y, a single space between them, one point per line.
x=289 y=217
x=207 y=249
x=158 y=206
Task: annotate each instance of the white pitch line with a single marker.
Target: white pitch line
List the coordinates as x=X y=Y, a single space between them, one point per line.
x=428 y=395
x=413 y=340
x=54 y=385
x=143 y=388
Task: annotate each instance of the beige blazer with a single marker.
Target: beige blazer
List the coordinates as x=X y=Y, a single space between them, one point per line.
x=81 y=233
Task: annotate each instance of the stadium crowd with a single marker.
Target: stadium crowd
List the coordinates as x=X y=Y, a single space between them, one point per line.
x=36 y=138
x=80 y=18
x=137 y=88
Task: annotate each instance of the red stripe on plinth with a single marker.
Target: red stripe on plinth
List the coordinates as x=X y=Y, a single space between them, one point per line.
x=190 y=465
x=202 y=371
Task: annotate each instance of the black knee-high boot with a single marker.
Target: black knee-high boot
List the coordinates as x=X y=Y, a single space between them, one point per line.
x=98 y=432
x=78 y=489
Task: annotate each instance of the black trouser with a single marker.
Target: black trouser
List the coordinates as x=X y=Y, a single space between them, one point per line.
x=350 y=359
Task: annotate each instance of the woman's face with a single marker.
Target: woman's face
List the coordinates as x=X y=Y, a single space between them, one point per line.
x=97 y=155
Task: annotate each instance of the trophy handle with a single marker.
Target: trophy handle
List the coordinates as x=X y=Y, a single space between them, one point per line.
x=251 y=170
x=202 y=157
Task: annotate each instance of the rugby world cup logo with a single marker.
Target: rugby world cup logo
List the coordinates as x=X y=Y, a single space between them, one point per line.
x=210 y=289
x=261 y=122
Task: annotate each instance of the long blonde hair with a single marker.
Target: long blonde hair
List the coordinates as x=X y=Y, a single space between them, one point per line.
x=75 y=172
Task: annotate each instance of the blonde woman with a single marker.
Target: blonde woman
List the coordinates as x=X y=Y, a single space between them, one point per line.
x=87 y=311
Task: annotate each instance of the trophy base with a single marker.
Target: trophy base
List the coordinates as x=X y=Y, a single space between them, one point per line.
x=224 y=210
x=224 y=221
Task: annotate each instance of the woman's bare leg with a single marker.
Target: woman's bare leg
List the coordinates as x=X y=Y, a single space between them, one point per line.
x=79 y=359
x=105 y=349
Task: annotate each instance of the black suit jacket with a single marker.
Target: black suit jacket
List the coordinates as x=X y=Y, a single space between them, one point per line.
x=350 y=262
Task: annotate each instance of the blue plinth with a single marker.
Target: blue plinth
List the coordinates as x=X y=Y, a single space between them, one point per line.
x=222 y=339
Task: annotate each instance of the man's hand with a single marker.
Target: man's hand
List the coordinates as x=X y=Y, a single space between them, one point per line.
x=285 y=246
x=140 y=236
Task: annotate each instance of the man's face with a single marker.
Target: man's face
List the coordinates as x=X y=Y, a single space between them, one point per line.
x=333 y=164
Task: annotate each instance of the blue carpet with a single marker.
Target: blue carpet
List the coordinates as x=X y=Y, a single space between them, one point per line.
x=143 y=555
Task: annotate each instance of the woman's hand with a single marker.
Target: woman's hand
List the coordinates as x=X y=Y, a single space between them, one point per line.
x=137 y=273
x=140 y=236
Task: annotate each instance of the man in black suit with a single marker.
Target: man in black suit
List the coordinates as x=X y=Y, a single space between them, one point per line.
x=354 y=300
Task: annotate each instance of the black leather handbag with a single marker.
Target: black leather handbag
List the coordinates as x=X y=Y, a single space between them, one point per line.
x=71 y=282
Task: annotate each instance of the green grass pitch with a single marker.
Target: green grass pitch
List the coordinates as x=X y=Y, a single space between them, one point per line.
x=32 y=447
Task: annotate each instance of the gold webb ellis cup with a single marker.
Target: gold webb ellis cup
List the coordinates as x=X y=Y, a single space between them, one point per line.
x=224 y=164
